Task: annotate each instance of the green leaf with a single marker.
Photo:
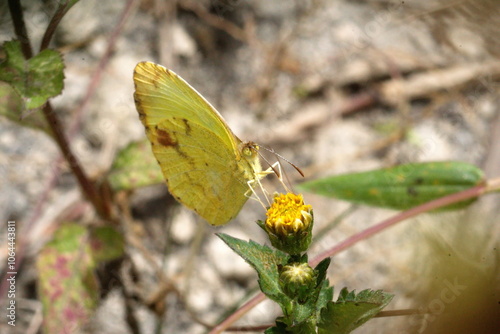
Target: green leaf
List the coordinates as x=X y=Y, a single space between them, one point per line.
x=279 y=329
x=326 y=292
x=12 y=107
x=106 y=244
x=298 y=314
x=401 y=187
x=351 y=311
x=321 y=268
x=135 y=166
x=35 y=80
x=308 y=327
x=265 y=261
x=68 y=287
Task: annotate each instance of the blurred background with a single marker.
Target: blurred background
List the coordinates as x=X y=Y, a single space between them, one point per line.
x=333 y=86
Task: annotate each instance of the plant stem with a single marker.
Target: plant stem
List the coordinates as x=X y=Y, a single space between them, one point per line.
x=426 y=207
x=54 y=22
x=16 y=12
x=87 y=186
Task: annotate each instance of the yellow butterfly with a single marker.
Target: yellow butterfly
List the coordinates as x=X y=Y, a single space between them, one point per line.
x=207 y=168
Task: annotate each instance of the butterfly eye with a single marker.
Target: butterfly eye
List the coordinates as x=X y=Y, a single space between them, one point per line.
x=247 y=151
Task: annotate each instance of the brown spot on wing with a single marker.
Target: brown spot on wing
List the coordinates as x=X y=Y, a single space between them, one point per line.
x=158 y=76
x=165 y=139
x=188 y=127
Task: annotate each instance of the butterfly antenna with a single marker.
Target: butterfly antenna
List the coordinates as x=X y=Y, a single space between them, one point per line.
x=278 y=171
x=275 y=171
x=281 y=157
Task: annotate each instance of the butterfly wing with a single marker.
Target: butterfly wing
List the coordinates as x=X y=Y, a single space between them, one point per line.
x=160 y=93
x=198 y=154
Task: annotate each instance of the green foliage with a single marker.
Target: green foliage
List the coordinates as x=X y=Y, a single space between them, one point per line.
x=351 y=311
x=135 y=166
x=34 y=80
x=296 y=313
x=307 y=327
x=326 y=293
x=299 y=315
x=401 y=187
x=341 y=317
x=68 y=287
x=106 y=244
x=12 y=107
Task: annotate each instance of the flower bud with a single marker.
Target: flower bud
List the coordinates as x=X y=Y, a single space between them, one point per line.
x=297 y=280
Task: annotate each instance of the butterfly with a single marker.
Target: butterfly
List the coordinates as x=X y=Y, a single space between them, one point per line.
x=206 y=166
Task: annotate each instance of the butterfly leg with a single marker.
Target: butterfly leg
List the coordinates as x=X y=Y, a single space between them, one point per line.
x=251 y=193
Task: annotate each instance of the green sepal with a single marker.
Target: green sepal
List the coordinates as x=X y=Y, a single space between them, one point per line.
x=401 y=187
x=293 y=243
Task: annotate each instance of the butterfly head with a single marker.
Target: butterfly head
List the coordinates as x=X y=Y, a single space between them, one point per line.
x=250 y=152
x=249 y=149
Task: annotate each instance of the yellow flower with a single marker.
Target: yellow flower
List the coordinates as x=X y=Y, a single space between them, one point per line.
x=289 y=223
x=288 y=214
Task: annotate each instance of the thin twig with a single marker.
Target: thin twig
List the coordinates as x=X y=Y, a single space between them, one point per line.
x=238 y=314
x=87 y=187
x=54 y=22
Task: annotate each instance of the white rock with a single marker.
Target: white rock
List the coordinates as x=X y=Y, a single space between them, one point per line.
x=183 y=227
x=184 y=45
